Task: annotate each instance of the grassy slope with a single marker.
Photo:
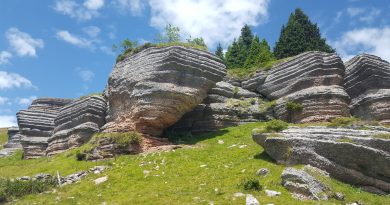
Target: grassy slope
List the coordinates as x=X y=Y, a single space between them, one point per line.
x=3 y=136
x=179 y=178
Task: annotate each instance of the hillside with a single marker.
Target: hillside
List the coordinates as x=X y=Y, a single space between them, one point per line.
x=176 y=177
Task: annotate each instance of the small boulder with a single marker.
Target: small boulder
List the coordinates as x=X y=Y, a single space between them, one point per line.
x=251 y=200
x=272 y=193
x=101 y=180
x=262 y=172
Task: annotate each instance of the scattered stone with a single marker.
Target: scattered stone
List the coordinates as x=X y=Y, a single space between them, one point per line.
x=221 y=142
x=242 y=146
x=231 y=146
x=338 y=196
x=251 y=200
x=97 y=169
x=272 y=193
x=101 y=180
x=24 y=178
x=262 y=172
x=73 y=178
x=203 y=165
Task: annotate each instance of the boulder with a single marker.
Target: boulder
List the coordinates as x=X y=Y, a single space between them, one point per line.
x=152 y=89
x=13 y=138
x=313 y=80
x=226 y=105
x=367 y=82
x=76 y=123
x=358 y=157
x=37 y=123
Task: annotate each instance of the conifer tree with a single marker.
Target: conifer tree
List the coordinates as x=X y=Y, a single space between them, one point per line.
x=298 y=36
x=219 y=52
x=232 y=55
x=253 y=58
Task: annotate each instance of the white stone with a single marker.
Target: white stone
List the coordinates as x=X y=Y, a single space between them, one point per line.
x=272 y=193
x=101 y=180
x=251 y=200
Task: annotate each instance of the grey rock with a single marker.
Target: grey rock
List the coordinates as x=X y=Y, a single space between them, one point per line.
x=350 y=155
x=37 y=123
x=367 y=81
x=226 y=105
x=76 y=123
x=13 y=138
x=100 y=180
x=151 y=90
x=338 y=196
x=312 y=79
x=251 y=200
x=303 y=185
x=254 y=83
x=272 y=193
x=262 y=172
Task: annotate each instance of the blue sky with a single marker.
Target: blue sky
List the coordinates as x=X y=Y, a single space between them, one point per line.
x=62 y=48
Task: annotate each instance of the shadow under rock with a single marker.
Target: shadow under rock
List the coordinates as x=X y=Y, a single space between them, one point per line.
x=189 y=138
x=264 y=156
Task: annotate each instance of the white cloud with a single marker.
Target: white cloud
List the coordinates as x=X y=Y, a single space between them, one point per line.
x=26 y=101
x=81 y=12
x=375 y=41
x=94 y=4
x=354 y=11
x=134 y=6
x=5 y=56
x=7 y=121
x=13 y=80
x=22 y=43
x=92 y=31
x=215 y=21
x=370 y=16
x=73 y=39
x=4 y=101
x=85 y=74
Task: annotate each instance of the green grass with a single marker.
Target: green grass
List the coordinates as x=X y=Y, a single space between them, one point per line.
x=343 y=121
x=3 y=137
x=346 y=140
x=294 y=106
x=175 y=177
x=382 y=136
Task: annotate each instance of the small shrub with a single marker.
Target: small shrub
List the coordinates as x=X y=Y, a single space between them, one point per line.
x=294 y=106
x=343 y=121
x=275 y=126
x=10 y=189
x=250 y=184
x=123 y=140
x=235 y=90
x=81 y=156
x=264 y=106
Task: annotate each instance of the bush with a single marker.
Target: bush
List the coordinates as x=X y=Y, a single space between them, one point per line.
x=294 y=106
x=343 y=121
x=275 y=126
x=81 y=156
x=251 y=184
x=13 y=188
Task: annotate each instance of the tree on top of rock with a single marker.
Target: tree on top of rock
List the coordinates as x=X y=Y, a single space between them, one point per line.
x=259 y=53
x=298 y=36
x=219 y=52
x=237 y=53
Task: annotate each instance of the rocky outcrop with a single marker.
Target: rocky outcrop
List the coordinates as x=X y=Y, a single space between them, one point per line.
x=76 y=123
x=367 y=82
x=37 y=123
x=312 y=80
x=358 y=157
x=226 y=105
x=13 y=138
x=151 y=90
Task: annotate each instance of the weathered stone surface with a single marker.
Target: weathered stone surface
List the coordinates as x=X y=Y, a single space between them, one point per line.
x=226 y=105
x=151 y=90
x=13 y=138
x=367 y=81
x=254 y=83
x=358 y=157
x=37 y=123
x=303 y=185
x=312 y=79
x=76 y=123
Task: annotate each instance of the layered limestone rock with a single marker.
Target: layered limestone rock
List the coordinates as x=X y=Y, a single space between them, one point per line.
x=358 y=157
x=37 y=123
x=13 y=138
x=312 y=80
x=367 y=82
x=151 y=90
x=76 y=123
x=226 y=105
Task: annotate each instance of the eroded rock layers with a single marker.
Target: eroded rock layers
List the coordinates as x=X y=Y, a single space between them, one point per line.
x=226 y=105
x=13 y=138
x=151 y=90
x=312 y=80
x=367 y=82
x=37 y=123
x=76 y=123
x=359 y=157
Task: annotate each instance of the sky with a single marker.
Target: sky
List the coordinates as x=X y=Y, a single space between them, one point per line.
x=63 y=48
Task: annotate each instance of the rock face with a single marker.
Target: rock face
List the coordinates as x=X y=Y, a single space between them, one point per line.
x=13 y=138
x=226 y=105
x=151 y=90
x=359 y=157
x=313 y=80
x=76 y=123
x=367 y=82
x=37 y=123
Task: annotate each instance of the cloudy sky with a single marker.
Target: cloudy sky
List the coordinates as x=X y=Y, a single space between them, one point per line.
x=62 y=48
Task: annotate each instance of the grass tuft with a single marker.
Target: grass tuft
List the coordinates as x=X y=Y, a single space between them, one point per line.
x=250 y=184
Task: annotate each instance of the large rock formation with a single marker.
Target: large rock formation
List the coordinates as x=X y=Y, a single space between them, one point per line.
x=312 y=80
x=151 y=90
x=367 y=82
x=225 y=106
x=76 y=123
x=37 y=123
x=13 y=138
x=359 y=157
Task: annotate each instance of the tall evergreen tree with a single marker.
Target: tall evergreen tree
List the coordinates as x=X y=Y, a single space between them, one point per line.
x=254 y=53
x=246 y=37
x=298 y=36
x=265 y=52
x=219 y=52
x=232 y=55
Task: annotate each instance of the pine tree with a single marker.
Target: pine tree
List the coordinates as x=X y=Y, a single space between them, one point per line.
x=298 y=36
x=265 y=52
x=253 y=58
x=232 y=55
x=219 y=52
x=246 y=37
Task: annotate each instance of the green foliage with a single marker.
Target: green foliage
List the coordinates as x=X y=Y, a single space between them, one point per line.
x=219 y=52
x=275 y=126
x=250 y=184
x=123 y=139
x=259 y=54
x=265 y=105
x=346 y=140
x=237 y=103
x=298 y=36
x=3 y=136
x=294 y=106
x=171 y=34
x=197 y=42
x=382 y=136
x=343 y=121
x=14 y=188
